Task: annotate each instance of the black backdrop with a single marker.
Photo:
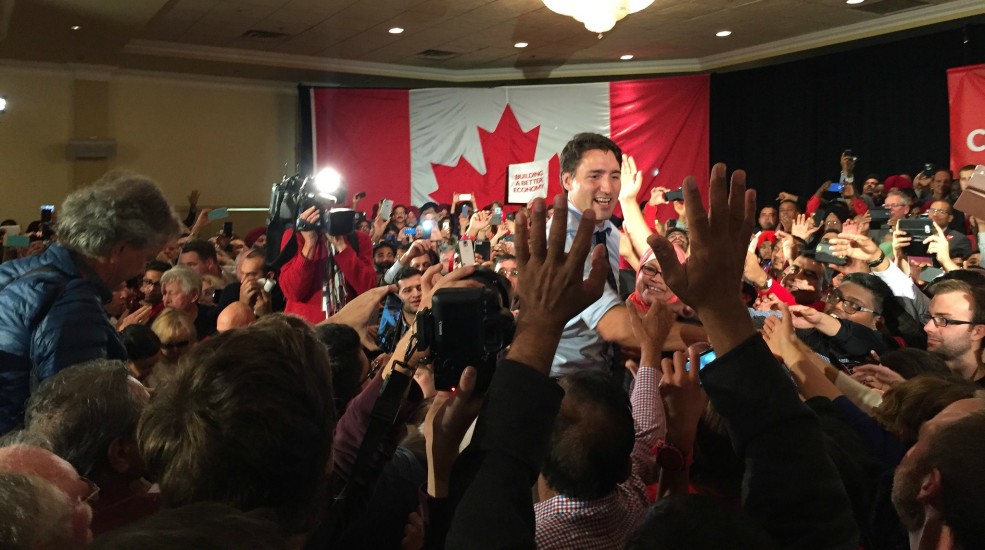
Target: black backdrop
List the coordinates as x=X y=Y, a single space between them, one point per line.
x=787 y=124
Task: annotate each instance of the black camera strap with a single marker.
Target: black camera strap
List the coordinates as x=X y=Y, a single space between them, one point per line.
x=381 y=419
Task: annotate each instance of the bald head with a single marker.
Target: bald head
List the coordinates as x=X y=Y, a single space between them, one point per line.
x=35 y=461
x=235 y=315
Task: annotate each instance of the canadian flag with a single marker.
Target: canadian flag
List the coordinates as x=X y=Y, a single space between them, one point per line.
x=415 y=146
x=966 y=96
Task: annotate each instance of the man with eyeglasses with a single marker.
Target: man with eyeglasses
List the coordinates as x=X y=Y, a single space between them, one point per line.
x=150 y=287
x=956 y=326
x=898 y=204
x=941 y=212
x=506 y=266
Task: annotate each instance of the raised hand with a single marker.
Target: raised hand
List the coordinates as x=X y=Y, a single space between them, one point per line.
x=193 y=198
x=312 y=216
x=553 y=288
x=658 y=196
x=803 y=227
x=632 y=180
x=856 y=246
x=651 y=329
x=878 y=377
x=709 y=280
x=445 y=425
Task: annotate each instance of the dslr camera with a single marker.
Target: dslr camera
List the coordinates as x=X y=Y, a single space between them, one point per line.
x=467 y=327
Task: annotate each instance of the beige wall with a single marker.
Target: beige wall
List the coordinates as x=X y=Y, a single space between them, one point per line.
x=229 y=140
x=33 y=132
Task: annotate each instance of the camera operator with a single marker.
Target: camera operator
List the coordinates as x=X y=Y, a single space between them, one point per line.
x=304 y=276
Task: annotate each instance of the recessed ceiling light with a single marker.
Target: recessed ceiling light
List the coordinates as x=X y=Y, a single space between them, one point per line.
x=854 y=1
x=520 y=45
x=723 y=34
x=396 y=30
x=3 y=104
x=75 y=27
x=626 y=57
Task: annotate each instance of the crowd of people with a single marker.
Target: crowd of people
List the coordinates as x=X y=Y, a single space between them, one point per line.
x=581 y=373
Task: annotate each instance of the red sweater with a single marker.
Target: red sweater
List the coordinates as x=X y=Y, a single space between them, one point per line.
x=301 y=279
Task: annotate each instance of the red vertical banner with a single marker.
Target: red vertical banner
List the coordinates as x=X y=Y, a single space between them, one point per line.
x=365 y=135
x=663 y=123
x=966 y=96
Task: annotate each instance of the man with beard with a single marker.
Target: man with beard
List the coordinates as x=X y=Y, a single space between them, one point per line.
x=956 y=327
x=938 y=486
x=769 y=216
x=384 y=255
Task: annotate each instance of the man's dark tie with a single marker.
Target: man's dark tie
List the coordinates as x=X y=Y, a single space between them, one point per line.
x=601 y=236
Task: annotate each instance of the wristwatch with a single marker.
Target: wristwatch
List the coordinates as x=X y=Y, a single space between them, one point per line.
x=671 y=458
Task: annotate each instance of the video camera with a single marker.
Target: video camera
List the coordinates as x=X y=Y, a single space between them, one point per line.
x=467 y=327
x=295 y=194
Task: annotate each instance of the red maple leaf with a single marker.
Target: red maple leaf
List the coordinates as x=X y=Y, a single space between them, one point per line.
x=507 y=144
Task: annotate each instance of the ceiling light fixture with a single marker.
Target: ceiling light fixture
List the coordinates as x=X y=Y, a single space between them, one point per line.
x=626 y=57
x=723 y=34
x=3 y=104
x=75 y=27
x=520 y=45
x=598 y=16
x=396 y=30
x=853 y=2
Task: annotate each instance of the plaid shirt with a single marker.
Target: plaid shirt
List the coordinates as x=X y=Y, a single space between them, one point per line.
x=607 y=522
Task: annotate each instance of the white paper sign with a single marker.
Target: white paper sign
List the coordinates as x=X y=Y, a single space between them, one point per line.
x=527 y=181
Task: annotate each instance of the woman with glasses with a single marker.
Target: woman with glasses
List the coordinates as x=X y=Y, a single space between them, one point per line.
x=860 y=316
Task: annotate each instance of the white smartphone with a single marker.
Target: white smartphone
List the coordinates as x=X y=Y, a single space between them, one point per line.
x=466 y=250
x=497 y=217
x=465 y=196
x=386 y=208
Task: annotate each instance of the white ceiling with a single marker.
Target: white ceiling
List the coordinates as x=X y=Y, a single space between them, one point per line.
x=320 y=38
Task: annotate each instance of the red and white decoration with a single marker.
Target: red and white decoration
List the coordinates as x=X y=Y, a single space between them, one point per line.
x=415 y=146
x=966 y=95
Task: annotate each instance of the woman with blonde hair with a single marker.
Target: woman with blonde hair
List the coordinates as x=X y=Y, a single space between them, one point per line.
x=177 y=333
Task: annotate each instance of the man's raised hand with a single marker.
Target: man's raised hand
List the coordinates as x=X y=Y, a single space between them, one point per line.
x=553 y=288
x=709 y=280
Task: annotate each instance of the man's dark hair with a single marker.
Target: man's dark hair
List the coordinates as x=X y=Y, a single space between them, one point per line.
x=157 y=265
x=910 y=362
x=204 y=249
x=794 y=203
x=576 y=148
x=406 y=272
x=141 y=342
x=589 y=452
x=956 y=452
x=82 y=409
x=696 y=522
x=247 y=420
x=198 y=525
x=385 y=244
x=342 y=343
x=504 y=258
x=966 y=168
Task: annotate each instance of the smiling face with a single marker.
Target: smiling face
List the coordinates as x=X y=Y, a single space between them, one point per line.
x=852 y=297
x=410 y=293
x=595 y=183
x=650 y=284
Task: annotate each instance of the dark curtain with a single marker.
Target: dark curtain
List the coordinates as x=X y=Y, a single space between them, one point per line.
x=787 y=124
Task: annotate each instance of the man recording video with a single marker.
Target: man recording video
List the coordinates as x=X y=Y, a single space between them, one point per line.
x=326 y=270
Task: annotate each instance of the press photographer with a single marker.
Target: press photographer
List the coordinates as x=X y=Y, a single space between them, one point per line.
x=333 y=262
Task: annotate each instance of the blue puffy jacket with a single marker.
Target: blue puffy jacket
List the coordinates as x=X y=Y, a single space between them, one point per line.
x=51 y=317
